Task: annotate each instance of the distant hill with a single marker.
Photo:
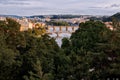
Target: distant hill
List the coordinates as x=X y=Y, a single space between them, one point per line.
x=14 y=16
x=101 y=18
x=58 y=16
x=117 y=16
x=55 y=16
x=46 y=16
x=91 y=17
x=38 y=16
x=65 y=16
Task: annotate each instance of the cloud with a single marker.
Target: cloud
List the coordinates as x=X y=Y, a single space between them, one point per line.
x=107 y=6
x=13 y=2
x=114 y=6
x=31 y=7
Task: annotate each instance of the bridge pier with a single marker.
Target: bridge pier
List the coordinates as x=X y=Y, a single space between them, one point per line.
x=57 y=35
x=66 y=28
x=73 y=29
x=53 y=28
x=60 y=28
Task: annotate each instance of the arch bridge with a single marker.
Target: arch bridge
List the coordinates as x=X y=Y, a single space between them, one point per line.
x=61 y=29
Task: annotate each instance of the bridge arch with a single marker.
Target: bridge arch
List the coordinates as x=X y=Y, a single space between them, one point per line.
x=61 y=29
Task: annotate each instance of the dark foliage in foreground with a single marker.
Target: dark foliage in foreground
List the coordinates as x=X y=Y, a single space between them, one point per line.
x=92 y=52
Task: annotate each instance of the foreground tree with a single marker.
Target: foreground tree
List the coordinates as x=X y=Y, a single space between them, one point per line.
x=25 y=57
x=94 y=52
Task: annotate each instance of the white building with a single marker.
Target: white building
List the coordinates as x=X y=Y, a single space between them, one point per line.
x=2 y=18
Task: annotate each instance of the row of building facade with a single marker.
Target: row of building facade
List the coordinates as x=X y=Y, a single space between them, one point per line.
x=28 y=24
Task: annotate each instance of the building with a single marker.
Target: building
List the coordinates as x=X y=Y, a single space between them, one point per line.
x=109 y=25
x=25 y=25
x=2 y=18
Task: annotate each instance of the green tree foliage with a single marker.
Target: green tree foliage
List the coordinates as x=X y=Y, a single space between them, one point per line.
x=8 y=62
x=94 y=51
x=66 y=43
x=58 y=23
x=25 y=57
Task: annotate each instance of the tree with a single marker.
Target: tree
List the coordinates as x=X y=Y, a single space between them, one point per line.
x=90 y=49
x=23 y=56
x=8 y=55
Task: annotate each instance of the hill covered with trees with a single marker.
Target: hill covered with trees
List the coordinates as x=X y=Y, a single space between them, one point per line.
x=110 y=18
x=117 y=16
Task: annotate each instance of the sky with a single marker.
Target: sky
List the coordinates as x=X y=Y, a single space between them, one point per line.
x=49 y=7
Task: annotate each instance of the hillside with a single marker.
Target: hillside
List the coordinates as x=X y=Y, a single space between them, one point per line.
x=13 y=16
x=117 y=16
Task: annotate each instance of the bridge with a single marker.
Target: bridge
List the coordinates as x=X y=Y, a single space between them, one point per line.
x=61 y=29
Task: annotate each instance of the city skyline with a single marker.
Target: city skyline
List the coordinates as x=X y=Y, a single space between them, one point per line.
x=49 y=7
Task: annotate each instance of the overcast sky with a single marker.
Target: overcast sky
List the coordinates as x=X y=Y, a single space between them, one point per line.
x=44 y=7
